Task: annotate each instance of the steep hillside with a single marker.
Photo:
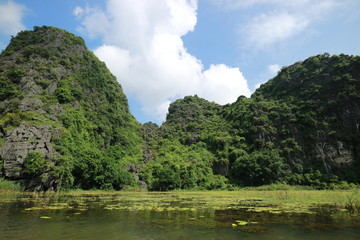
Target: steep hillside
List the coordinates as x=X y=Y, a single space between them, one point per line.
x=324 y=92
x=64 y=120
x=65 y=123
x=181 y=153
x=302 y=127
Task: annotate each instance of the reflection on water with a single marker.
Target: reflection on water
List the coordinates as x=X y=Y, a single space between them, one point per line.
x=165 y=216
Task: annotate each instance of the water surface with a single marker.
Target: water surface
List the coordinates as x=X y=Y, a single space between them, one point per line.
x=168 y=216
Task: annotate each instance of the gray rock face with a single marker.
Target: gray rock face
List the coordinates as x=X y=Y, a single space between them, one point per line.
x=18 y=144
x=333 y=154
x=30 y=104
x=37 y=76
x=29 y=86
x=135 y=170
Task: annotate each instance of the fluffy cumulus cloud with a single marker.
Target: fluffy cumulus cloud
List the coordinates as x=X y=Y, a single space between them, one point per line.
x=230 y=82
x=278 y=20
x=143 y=48
x=11 y=15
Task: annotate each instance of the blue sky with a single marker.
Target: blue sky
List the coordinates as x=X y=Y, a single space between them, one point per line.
x=161 y=50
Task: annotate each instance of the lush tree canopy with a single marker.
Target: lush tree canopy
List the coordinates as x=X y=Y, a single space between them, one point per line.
x=301 y=127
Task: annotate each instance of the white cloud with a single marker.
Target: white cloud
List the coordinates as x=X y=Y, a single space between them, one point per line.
x=235 y=4
x=11 y=15
x=275 y=21
x=296 y=5
x=159 y=112
x=223 y=84
x=95 y=22
x=274 y=68
x=143 y=48
x=267 y=29
x=117 y=59
x=78 y=11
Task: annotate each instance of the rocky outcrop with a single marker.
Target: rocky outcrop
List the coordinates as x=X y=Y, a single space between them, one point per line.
x=135 y=170
x=31 y=103
x=333 y=155
x=19 y=143
x=27 y=117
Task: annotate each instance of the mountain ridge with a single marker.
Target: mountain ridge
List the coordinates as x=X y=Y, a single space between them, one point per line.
x=65 y=123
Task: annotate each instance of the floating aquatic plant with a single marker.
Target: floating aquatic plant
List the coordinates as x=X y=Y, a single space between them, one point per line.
x=242 y=223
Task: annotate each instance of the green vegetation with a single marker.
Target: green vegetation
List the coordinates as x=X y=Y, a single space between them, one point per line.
x=300 y=128
x=269 y=199
x=92 y=130
x=8 y=186
x=246 y=211
x=35 y=163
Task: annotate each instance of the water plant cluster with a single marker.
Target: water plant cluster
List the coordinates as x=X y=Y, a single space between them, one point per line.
x=246 y=208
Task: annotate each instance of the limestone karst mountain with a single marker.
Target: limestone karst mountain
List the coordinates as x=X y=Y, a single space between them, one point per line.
x=301 y=127
x=64 y=118
x=65 y=123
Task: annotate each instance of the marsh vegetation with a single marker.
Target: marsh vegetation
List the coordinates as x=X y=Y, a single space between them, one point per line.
x=252 y=213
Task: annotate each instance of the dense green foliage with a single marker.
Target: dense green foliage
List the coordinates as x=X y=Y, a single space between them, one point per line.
x=183 y=152
x=92 y=128
x=324 y=94
x=6 y=185
x=35 y=163
x=300 y=128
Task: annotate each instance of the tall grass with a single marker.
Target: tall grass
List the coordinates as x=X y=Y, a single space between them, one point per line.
x=284 y=186
x=8 y=186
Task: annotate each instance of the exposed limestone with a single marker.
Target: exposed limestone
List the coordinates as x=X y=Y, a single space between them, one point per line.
x=135 y=170
x=19 y=143
x=30 y=104
x=29 y=86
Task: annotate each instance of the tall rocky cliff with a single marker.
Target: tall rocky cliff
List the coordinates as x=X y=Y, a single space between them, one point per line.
x=324 y=92
x=64 y=120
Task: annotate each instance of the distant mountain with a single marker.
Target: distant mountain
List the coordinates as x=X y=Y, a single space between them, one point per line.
x=65 y=123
